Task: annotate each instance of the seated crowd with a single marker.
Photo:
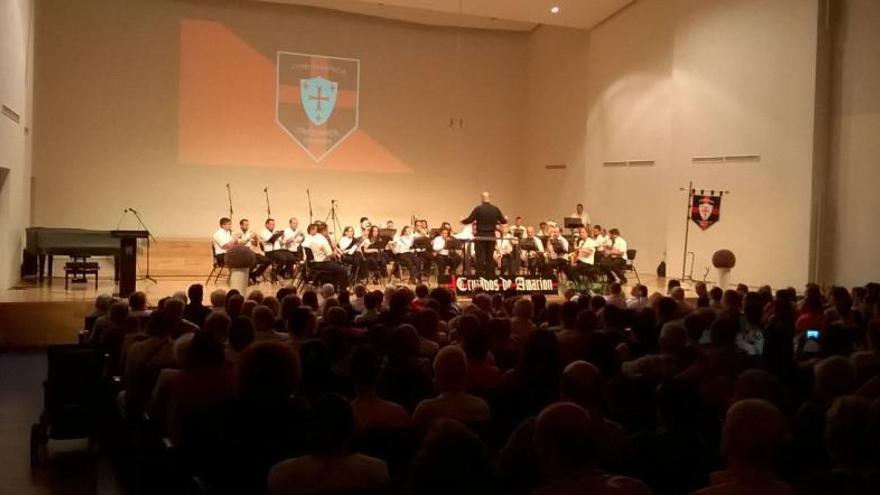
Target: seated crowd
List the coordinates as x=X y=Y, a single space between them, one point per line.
x=738 y=391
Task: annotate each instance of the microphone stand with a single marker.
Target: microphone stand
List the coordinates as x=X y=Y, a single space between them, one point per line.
x=309 y=196
x=149 y=236
x=268 y=208
x=229 y=195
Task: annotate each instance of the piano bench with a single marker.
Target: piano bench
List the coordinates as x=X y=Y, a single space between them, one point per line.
x=78 y=270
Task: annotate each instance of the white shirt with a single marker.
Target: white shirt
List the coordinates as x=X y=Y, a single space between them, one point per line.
x=557 y=254
x=587 y=244
x=503 y=246
x=585 y=217
x=267 y=234
x=439 y=245
x=297 y=237
x=321 y=248
x=403 y=243
x=347 y=245
x=246 y=238
x=601 y=242
x=307 y=240
x=539 y=246
x=221 y=238
x=360 y=231
x=619 y=244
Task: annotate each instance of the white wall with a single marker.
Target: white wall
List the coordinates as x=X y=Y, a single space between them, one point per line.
x=851 y=226
x=108 y=101
x=673 y=80
x=554 y=125
x=15 y=93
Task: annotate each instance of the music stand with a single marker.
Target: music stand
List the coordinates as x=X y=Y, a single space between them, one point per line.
x=422 y=243
x=454 y=243
x=387 y=233
x=381 y=243
x=528 y=245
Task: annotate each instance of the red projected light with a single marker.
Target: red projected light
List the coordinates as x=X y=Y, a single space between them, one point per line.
x=229 y=95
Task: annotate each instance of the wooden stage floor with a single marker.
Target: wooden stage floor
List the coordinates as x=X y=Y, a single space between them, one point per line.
x=36 y=315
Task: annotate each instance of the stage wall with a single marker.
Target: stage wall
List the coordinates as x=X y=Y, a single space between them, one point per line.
x=158 y=104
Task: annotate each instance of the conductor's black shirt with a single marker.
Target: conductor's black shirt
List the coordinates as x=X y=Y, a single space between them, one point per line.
x=487 y=216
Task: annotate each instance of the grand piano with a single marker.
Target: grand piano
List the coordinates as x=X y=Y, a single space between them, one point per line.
x=45 y=242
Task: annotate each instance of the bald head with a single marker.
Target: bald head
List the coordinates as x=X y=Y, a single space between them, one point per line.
x=563 y=437
x=673 y=337
x=753 y=432
x=579 y=384
x=450 y=368
x=484 y=197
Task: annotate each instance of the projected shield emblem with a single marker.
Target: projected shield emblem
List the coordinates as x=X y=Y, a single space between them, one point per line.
x=318 y=96
x=317 y=100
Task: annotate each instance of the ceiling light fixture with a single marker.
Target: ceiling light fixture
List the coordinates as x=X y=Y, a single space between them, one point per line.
x=554 y=9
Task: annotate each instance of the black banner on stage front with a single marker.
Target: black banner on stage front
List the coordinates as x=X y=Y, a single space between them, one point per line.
x=521 y=284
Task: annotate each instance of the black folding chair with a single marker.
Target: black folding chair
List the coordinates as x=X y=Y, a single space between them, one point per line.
x=218 y=266
x=630 y=267
x=71 y=397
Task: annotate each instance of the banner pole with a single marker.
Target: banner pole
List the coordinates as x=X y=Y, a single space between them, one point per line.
x=687 y=227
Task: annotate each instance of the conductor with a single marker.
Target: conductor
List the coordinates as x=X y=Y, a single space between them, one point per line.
x=488 y=217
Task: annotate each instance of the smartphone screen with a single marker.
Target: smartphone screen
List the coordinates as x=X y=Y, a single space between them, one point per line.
x=813 y=334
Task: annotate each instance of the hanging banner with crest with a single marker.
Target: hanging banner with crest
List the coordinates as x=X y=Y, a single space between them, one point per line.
x=706 y=209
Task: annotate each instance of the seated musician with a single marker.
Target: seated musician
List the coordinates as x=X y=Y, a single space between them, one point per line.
x=323 y=253
x=424 y=255
x=467 y=233
x=506 y=251
x=362 y=229
x=293 y=238
x=614 y=261
x=350 y=253
x=311 y=231
x=518 y=229
x=373 y=257
x=405 y=256
x=601 y=242
x=252 y=240
x=557 y=252
x=543 y=229
x=445 y=258
x=532 y=252
x=583 y=257
x=223 y=240
x=282 y=258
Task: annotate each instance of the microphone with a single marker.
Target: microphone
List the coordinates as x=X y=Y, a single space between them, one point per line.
x=125 y=210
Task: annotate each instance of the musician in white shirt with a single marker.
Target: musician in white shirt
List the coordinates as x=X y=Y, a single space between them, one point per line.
x=223 y=240
x=402 y=249
x=444 y=257
x=362 y=229
x=585 y=253
x=614 y=261
x=505 y=248
x=282 y=258
x=557 y=251
x=252 y=240
x=293 y=238
x=323 y=254
x=424 y=255
x=373 y=260
x=581 y=214
x=311 y=231
x=350 y=251
x=534 y=256
x=518 y=229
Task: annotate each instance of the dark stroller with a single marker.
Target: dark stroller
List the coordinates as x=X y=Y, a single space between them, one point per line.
x=71 y=397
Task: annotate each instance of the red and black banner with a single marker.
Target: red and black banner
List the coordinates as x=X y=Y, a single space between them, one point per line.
x=705 y=209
